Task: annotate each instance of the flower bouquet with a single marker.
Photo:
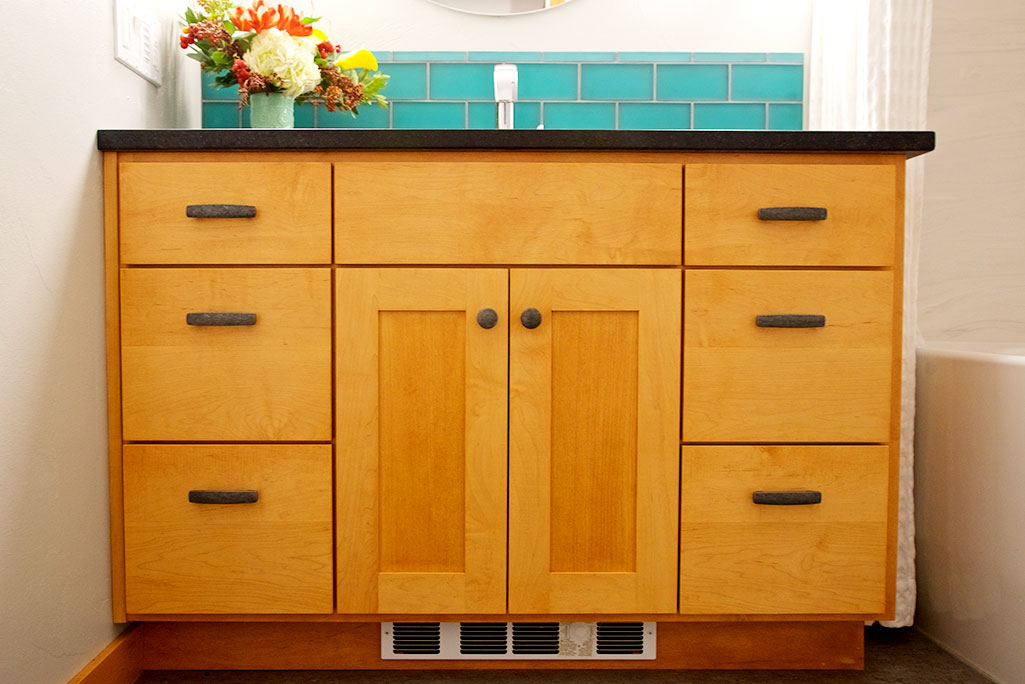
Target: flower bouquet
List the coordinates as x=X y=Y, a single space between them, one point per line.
x=274 y=49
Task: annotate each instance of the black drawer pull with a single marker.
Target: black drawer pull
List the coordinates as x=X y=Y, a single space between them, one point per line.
x=787 y=498
x=220 y=211
x=791 y=321
x=217 y=496
x=216 y=318
x=792 y=214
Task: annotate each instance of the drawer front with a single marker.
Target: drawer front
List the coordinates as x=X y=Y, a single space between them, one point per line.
x=511 y=213
x=271 y=555
x=291 y=221
x=739 y=557
x=746 y=383
x=722 y=227
x=266 y=381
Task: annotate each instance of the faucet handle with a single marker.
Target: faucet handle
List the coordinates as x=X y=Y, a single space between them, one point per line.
x=505 y=83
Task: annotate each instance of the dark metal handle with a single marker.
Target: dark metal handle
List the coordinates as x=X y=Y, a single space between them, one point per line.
x=220 y=211
x=792 y=214
x=802 y=498
x=217 y=496
x=217 y=318
x=791 y=321
x=530 y=318
x=487 y=318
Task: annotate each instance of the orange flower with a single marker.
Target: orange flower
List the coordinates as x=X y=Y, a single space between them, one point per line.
x=259 y=17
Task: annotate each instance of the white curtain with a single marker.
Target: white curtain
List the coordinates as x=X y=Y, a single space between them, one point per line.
x=869 y=71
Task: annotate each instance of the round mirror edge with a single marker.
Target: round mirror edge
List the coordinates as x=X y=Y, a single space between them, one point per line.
x=446 y=5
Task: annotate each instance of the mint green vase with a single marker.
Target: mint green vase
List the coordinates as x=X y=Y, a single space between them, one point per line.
x=271 y=110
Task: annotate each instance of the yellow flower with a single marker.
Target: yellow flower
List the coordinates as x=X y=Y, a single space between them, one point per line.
x=360 y=59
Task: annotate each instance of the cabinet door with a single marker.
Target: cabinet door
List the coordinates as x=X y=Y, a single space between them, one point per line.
x=421 y=454
x=593 y=441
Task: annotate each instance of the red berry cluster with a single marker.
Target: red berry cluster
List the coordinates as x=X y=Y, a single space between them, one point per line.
x=326 y=48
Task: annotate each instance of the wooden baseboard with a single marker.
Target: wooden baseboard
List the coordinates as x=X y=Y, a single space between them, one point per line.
x=119 y=663
x=357 y=646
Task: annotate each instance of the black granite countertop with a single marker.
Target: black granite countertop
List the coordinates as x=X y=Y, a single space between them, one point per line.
x=909 y=143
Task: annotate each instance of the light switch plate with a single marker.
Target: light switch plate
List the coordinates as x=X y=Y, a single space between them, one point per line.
x=137 y=42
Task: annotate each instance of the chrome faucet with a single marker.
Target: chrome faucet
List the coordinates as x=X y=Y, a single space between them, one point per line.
x=505 y=93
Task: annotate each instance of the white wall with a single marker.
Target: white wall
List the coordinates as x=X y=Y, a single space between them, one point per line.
x=61 y=85
x=972 y=288
x=972 y=278
x=598 y=25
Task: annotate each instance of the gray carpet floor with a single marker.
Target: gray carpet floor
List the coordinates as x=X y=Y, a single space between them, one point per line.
x=892 y=656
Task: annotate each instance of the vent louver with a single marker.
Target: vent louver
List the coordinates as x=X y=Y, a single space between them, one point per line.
x=536 y=638
x=483 y=638
x=416 y=638
x=518 y=640
x=620 y=638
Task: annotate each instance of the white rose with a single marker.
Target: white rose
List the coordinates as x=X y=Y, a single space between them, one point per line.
x=284 y=60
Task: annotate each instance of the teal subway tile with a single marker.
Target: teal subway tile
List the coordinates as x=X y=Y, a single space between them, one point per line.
x=792 y=57
x=462 y=82
x=406 y=82
x=210 y=91
x=654 y=56
x=767 y=82
x=616 y=82
x=580 y=56
x=580 y=115
x=304 y=116
x=547 y=81
x=526 y=115
x=483 y=115
x=246 y=123
x=729 y=56
x=786 y=117
x=382 y=55
x=505 y=56
x=728 y=115
x=693 y=82
x=654 y=116
x=369 y=116
x=428 y=115
x=221 y=115
x=427 y=56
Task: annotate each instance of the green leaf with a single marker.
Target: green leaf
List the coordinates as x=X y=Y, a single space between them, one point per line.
x=190 y=16
x=310 y=20
x=228 y=26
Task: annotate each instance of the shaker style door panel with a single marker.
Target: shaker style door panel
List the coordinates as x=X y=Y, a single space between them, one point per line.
x=226 y=354
x=512 y=212
x=225 y=213
x=594 y=435
x=421 y=456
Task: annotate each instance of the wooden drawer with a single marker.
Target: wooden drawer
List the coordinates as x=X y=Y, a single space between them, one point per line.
x=745 y=383
x=267 y=381
x=738 y=557
x=270 y=556
x=511 y=213
x=721 y=224
x=291 y=225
